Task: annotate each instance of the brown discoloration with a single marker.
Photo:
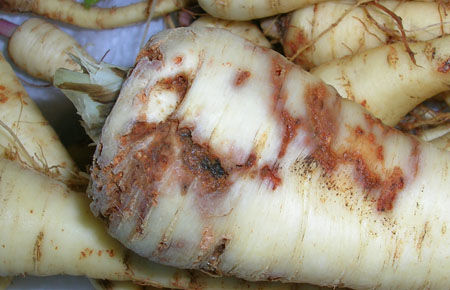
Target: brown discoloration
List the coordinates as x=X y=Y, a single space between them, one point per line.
x=86 y=253
x=111 y=253
x=422 y=236
x=178 y=60
x=139 y=167
x=152 y=53
x=211 y=265
x=391 y=186
x=201 y=163
x=3 y=98
x=267 y=173
x=392 y=57
x=380 y=154
x=241 y=77
x=323 y=124
x=366 y=177
x=414 y=159
x=444 y=67
x=37 y=253
x=291 y=126
x=178 y=84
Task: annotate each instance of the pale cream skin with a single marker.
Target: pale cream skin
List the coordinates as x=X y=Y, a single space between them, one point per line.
x=75 y=13
x=255 y=168
x=248 y=10
x=50 y=47
x=48 y=229
x=22 y=116
x=363 y=28
x=244 y=29
x=386 y=81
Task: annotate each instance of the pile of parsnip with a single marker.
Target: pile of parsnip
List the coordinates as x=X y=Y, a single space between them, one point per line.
x=270 y=144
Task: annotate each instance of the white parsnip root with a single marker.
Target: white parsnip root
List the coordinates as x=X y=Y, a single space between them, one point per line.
x=257 y=169
x=247 y=10
x=316 y=34
x=47 y=229
x=386 y=81
x=75 y=13
x=40 y=48
x=26 y=135
x=244 y=29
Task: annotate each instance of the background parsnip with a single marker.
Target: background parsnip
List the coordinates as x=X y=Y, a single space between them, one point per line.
x=386 y=81
x=40 y=48
x=22 y=116
x=244 y=29
x=75 y=13
x=248 y=10
x=364 y=27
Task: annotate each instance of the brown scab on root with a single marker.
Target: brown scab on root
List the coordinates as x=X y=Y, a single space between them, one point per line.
x=211 y=265
x=271 y=175
x=241 y=77
x=389 y=191
x=444 y=67
x=152 y=53
x=37 y=253
x=203 y=164
x=323 y=124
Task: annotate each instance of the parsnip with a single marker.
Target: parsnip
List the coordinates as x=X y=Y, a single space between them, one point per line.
x=41 y=146
x=257 y=169
x=75 y=13
x=244 y=29
x=442 y=142
x=248 y=10
x=47 y=229
x=65 y=219
x=386 y=81
x=365 y=27
x=40 y=48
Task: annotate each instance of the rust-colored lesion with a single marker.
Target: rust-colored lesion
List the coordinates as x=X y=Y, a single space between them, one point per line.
x=444 y=67
x=391 y=186
x=323 y=124
x=37 y=252
x=361 y=149
x=151 y=52
x=291 y=126
x=271 y=175
x=211 y=266
x=241 y=77
x=201 y=163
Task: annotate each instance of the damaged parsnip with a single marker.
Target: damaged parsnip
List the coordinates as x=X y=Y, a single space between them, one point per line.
x=47 y=228
x=319 y=33
x=76 y=14
x=223 y=156
x=386 y=81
